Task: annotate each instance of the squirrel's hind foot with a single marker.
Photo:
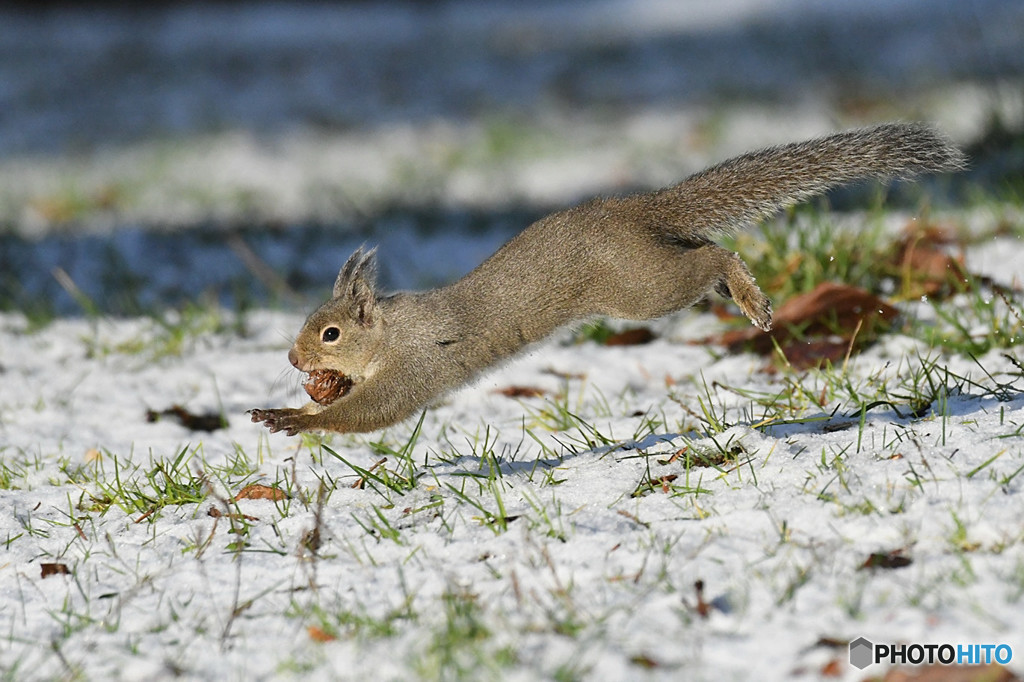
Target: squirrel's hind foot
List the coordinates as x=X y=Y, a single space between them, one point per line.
x=738 y=284
x=758 y=308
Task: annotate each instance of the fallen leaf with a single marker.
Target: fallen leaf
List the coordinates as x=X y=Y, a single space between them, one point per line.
x=630 y=337
x=702 y=608
x=808 y=354
x=644 y=661
x=652 y=484
x=934 y=233
x=319 y=635
x=257 y=491
x=831 y=310
x=195 y=422
x=521 y=391
x=311 y=539
x=54 y=569
x=361 y=481
x=926 y=270
x=675 y=455
x=834 y=668
x=217 y=513
x=832 y=642
x=894 y=559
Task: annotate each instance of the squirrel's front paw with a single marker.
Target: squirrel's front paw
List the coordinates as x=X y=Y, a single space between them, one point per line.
x=285 y=419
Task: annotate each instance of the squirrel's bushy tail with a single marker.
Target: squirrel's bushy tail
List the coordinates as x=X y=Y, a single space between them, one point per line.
x=726 y=197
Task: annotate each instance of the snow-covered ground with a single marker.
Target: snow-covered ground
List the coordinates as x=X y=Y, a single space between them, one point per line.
x=160 y=160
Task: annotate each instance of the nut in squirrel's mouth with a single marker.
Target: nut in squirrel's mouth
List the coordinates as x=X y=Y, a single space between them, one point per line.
x=324 y=386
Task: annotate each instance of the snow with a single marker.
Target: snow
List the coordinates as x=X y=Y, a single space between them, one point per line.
x=778 y=538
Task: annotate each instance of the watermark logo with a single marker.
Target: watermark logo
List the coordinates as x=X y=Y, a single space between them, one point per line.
x=864 y=652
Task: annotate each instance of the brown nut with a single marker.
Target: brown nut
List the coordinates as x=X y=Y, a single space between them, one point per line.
x=324 y=386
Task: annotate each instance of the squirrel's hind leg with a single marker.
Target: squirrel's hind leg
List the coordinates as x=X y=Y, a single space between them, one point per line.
x=737 y=283
x=676 y=278
x=684 y=275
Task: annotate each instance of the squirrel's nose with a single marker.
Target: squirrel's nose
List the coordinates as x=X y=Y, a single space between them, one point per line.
x=293 y=358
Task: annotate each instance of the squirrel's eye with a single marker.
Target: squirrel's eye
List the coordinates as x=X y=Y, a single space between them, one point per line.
x=330 y=334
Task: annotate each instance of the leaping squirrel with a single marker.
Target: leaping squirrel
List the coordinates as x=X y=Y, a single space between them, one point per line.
x=376 y=359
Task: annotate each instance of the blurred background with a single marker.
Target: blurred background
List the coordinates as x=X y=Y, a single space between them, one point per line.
x=156 y=155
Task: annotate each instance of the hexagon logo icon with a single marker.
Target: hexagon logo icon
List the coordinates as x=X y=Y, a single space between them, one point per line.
x=861 y=653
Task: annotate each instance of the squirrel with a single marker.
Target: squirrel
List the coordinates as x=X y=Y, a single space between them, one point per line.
x=636 y=257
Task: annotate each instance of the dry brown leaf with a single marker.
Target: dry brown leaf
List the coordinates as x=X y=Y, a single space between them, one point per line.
x=830 y=309
x=663 y=482
x=675 y=455
x=521 y=391
x=928 y=271
x=848 y=304
x=702 y=608
x=54 y=569
x=217 y=513
x=894 y=559
x=644 y=661
x=311 y=539
x=834 y=668
x=258 y=491
x=630 y=337
x=190 y=420
x=934 y=233
x=360 y=482
x=832 y=642
x=924 y=267
x=319 y=635
x=808 y=354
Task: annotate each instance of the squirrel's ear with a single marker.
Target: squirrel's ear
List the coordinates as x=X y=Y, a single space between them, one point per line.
x=357 y=280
